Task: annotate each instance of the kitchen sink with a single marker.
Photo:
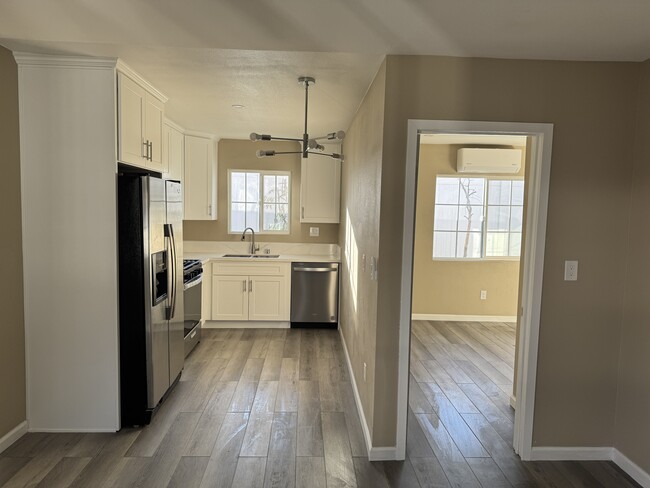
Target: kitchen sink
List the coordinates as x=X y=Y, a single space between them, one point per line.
x=251 y=256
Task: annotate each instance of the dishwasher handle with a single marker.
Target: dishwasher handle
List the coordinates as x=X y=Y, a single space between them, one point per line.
x=316 y=270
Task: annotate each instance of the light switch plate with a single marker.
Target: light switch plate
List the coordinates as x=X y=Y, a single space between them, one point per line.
x=570 y=270
x=314 y=231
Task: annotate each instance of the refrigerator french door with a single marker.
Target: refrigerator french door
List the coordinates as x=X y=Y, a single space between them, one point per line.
x=151 y=293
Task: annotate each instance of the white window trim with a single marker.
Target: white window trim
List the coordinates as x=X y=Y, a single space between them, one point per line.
x=260 y=202
x=483 y=258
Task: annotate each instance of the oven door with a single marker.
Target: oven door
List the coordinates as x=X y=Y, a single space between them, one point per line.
x=192 y=291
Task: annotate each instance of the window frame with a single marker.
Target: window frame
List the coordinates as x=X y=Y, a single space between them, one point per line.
x=260 y=202
x=484 y=231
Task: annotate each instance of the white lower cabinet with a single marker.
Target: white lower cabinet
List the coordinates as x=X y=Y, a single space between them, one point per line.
x=243 y=291
x=230 y=298
x=267 y=298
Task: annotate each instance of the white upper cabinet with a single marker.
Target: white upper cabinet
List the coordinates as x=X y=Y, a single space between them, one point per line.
x=200 y=178
x=320 y=190
x=131 y=140
x=173 y=151
x=154 y=110
x=140 y=124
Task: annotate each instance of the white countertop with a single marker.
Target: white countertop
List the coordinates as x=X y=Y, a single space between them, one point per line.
x=288 y=252
x=308 y=258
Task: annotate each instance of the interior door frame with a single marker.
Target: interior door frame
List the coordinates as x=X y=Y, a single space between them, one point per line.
x=538 y=175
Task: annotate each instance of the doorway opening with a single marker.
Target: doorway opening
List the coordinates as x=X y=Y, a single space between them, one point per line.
x=468 y=222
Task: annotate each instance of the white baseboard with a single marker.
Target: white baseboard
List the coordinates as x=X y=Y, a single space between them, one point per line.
x=631 y=468
x=12 y=436
x=571 y=454
x=464 y=318
x=593 y=454
x=374 y=453
x=246 y=324
x=382 y=454
x=72 y=431
x=357 y=398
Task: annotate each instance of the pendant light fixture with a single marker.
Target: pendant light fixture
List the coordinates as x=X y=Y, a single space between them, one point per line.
x=309 y=145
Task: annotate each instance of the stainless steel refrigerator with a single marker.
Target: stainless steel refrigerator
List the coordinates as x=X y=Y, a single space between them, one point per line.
x=150 y=229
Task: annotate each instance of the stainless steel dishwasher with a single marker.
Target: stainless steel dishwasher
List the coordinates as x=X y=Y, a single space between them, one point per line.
x=314 y=294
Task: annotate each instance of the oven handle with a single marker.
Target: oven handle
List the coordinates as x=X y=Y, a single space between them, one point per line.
x=193 y=282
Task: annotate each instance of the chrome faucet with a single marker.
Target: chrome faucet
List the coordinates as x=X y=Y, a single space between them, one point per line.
x=243 y=237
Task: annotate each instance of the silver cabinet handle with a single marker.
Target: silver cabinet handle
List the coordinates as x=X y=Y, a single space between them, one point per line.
x=302 y=213
x=250 y=285
x=210 y=210
x=244 y=283
x=150 y=151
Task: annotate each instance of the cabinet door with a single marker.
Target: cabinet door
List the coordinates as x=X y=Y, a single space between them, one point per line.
x=153 y=131
x=166 y=147
x=230 y=298
x=198 y=181
x=268 y=299
x=131 y=137
x=320 y=190
x=175 y=154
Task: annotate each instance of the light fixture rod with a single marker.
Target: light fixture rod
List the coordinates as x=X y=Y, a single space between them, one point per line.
x=306 y=104
x=306 y=80
x=332 y=155
x=295 y=139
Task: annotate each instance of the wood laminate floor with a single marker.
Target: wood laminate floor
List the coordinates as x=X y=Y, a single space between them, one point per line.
x=275 y=408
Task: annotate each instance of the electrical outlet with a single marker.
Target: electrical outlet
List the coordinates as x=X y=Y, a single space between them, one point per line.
x=483 y=294
x=363 y=263
x=570 y=270
x=314 y=231
x=365 y=368
x=373 y=268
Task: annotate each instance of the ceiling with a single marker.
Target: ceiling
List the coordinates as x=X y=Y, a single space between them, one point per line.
x=207 y=55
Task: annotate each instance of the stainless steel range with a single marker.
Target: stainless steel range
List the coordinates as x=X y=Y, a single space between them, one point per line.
x=192 y=290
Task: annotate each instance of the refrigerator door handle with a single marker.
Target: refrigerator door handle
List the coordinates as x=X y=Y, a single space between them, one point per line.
x=171 y=309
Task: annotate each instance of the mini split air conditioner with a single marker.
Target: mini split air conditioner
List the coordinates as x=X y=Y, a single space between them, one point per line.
x=489 y=160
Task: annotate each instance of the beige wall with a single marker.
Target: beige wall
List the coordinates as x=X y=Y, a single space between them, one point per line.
x=361 y=176
x=240 y=154
x=12 y=333
x=454 y=287
x=632 y=430
x=592 y=106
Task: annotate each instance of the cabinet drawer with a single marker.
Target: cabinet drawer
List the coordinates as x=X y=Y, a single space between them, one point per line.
x=239 y=268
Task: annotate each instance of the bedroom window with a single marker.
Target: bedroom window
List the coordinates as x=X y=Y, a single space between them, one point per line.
x=260 y=200
x=477 y=218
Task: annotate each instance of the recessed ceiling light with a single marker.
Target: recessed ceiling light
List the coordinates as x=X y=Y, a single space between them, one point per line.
x=237 y=105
